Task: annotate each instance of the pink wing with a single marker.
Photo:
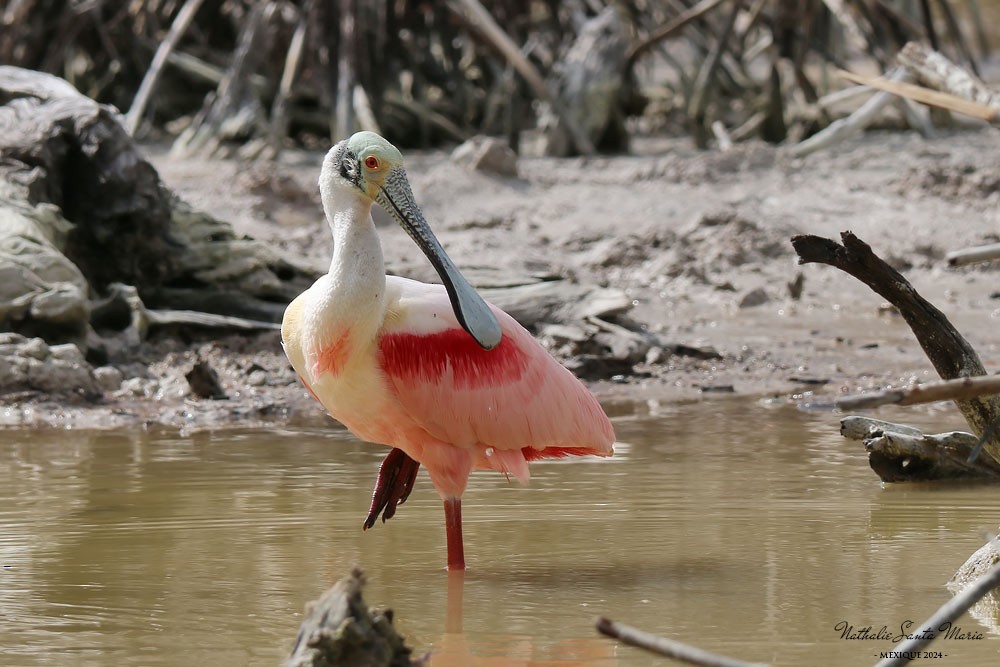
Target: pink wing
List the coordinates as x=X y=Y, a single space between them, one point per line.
x=515 y=398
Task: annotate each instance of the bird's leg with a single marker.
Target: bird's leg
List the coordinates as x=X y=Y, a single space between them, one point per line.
x=453 y=528
x=395 y=480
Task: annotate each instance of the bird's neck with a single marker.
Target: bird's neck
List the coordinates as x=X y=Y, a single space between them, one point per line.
x=355 y=286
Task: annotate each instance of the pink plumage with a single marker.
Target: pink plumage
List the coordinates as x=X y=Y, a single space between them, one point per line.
x=389 y=358
x=489 y=406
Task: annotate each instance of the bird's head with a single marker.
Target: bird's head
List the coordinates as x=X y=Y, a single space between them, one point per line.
x=369 y=166
x=363 y=163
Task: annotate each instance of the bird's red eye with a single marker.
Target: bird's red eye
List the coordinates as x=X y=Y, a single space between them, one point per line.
x=371 y=162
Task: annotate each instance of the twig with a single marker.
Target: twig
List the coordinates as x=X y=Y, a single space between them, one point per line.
x=949 y=390
x=946 y=614
x=853 y=124
x=979 y=27
x=706 y=76
x=983 y=253
x=177 y=30
x=936 y=71
x=667 y=647
x=956 y=35
x=343 y=111
x=721 y=135
x=279 y=109
x=474 y=12
x=926 y=96
x=678 y=22
x=987 y=434
x=855 y=35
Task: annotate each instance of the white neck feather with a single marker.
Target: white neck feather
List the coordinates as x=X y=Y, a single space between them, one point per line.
x=353 y=293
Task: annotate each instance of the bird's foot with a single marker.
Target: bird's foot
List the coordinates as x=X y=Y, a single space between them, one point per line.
x=396 y=476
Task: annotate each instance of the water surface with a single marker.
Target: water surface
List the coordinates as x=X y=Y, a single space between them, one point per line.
x=743 y=529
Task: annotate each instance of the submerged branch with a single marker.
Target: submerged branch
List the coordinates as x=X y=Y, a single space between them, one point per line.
x=943 y=617
x=667 y=647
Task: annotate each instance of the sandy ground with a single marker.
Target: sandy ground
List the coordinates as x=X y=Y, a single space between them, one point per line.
x=699 y=241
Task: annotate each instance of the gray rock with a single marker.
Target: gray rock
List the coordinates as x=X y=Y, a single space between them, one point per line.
x=107 y=378
x=487 y=154
x=30 y=364
x=755 y=297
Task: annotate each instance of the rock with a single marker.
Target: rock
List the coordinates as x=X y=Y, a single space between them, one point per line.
x=66 y=303
x=30 y=364
x=108 y=378
x=68 y=353
x=755 y=297
x=598 y=367
x=36 y=348
x=257 y=379
x=82 y=209
x=204 y=382
x=487 y=154
x=137 y=388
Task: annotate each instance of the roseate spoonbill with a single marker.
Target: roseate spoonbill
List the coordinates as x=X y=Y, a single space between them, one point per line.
x=432 y=370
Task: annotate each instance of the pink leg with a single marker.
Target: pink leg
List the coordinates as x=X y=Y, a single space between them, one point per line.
x=453 y=526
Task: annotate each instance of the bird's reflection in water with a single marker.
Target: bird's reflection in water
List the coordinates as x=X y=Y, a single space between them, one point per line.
x=456 y=649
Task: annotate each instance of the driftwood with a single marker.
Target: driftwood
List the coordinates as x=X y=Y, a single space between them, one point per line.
x=82 y=211
x=899 y=453
x=340 y=629
x=949 y=352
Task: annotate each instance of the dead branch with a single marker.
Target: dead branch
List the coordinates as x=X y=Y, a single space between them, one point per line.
x=180 y=25
x=947 y=614
x=909 y=91
x=667 y=647
x=851 y=125
x=293 y=59
x=959 y=389
x=703 y=85
x=936 y=71
x=476 y=15
x=983 y=253
x=949 y=352
x=675 y=25
x=227 y=111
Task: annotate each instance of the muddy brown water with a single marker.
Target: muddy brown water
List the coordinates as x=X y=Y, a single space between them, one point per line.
x=742 y=528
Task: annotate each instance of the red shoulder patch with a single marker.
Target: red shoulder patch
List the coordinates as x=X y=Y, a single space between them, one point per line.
x=427 y=357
